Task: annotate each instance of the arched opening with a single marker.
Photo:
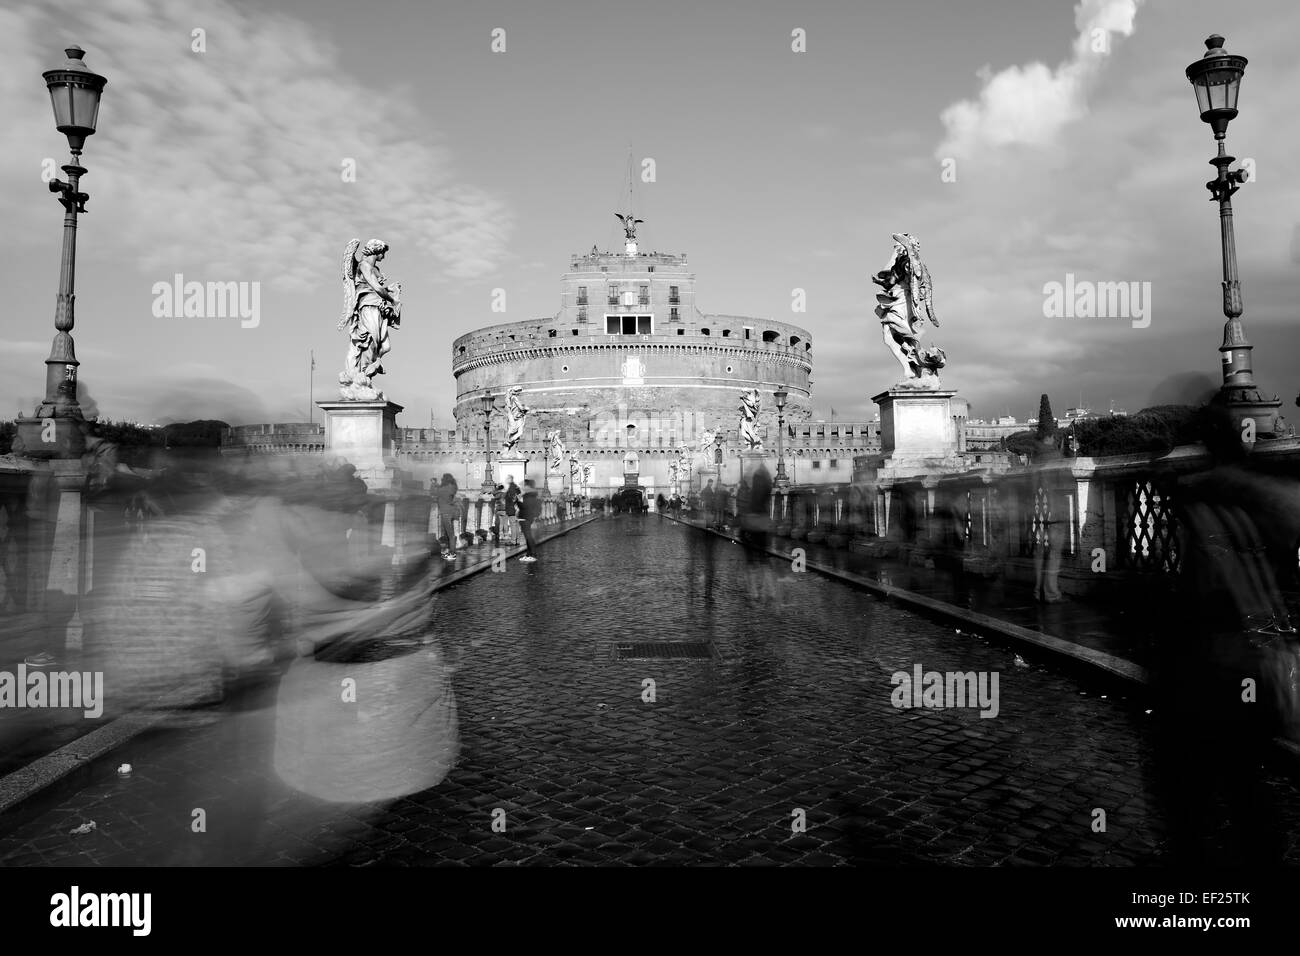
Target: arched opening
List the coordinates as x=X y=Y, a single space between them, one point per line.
x=795 y=340
x=770 y=336
x=704 y=331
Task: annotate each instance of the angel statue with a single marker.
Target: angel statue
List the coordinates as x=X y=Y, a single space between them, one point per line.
x=629 y=225
x=586 y=475
x=906 y=302
x=575 y=473
x=516 y=411
x=371 y=306
x=557 y=449
x=674 y=471
x=707 y=440
x=749 y=419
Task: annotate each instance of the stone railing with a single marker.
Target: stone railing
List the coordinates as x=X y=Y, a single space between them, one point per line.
x=1117 y=514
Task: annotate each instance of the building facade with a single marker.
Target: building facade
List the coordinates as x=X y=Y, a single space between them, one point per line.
x=631 y=373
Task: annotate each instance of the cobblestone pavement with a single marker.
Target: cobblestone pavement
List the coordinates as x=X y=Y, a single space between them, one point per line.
x=791 y=720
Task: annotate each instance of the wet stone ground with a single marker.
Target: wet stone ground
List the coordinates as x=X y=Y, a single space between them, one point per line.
x=789 y=720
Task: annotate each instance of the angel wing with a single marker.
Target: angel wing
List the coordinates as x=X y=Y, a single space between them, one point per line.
x=349 y=282
x=925 y=288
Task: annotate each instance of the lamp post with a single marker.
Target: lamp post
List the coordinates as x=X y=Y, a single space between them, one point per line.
x=488 y=403
x=56 y=430
x=780 y=395
x=1216 y=79
x=546 y=464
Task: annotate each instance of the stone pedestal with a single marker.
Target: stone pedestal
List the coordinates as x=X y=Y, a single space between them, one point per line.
x=364 y=434
x=917 y=435
x=512 y=466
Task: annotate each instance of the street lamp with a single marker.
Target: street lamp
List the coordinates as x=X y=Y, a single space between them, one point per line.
x=1216 y=79
x=488 y=403
x=546 y=463
x=56 y=431
x=780 y=395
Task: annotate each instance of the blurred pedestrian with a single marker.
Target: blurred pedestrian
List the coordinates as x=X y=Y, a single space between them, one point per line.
x=444 y=494
x=530 y=508
x=708 y=502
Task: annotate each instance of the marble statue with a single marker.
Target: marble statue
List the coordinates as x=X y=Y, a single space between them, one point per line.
x=629 y=225
x=516 y=412
x=586 y=475
x=575 y=473
x=371 y=307
x=557 y=450
x=749 y=420
x=674 y=472
x=708 y=438
x=905 y=303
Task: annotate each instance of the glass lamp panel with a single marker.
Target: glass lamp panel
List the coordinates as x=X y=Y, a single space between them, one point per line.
x=61 y=100
x=85 y=107
x=1202 y=95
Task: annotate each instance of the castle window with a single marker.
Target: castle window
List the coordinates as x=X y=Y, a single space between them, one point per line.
x=681 y=331
x=726 y=333
x=582 y=295
x=673 y=316
x=794 y=340
x=771 y=336
x=629 y=325
x=584 y=318
x=643 y=295
x=550 y=333
x=613 y=293
x=650 y=269
x=673 y=297
x=704 y=331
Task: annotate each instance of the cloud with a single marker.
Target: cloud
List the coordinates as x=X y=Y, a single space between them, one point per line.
x=232 y=161
x=1029 y=105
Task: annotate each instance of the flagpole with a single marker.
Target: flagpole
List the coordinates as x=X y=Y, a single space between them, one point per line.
x=311 y=375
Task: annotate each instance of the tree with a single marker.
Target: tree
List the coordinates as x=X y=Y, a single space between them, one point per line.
x=1021 y=443
x=1152 y=430
x=1046 y=420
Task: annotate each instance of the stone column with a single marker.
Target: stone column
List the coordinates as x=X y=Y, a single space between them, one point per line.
x=65 y=572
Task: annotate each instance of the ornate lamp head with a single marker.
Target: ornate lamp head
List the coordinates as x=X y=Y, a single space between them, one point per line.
x=1216 y=78
x=74 y=94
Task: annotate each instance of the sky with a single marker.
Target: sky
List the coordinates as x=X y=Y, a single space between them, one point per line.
x=1020 y=141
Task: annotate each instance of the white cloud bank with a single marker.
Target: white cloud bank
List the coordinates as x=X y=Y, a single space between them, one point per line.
x=1029 y=105
x=231 y=160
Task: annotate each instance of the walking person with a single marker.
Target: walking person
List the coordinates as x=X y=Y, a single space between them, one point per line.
x=512 y=508
x=1047 y=561
x=445 y=496
x=708 y=501
x=530 y=507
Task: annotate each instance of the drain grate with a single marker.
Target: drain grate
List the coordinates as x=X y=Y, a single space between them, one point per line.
x=665 y=650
